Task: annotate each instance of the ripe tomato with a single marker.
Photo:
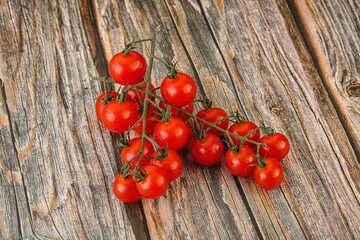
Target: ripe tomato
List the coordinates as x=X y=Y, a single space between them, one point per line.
x=100 y=105
x=244 y=129
x=207 y=152
x=135 y=145
x=173 y=132
x=179 y=91
x=171 y=164
x=155 y=183
x=238 y=164
x=150 y=124
x=133 y=94
x=277 y=146
x=119 y=117
x=271 y=175
x=212 y=115
x=125 y=189
x=188 y=140
x=177 y=113
x=127 y=69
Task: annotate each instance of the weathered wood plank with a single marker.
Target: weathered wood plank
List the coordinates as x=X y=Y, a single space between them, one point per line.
x=332 y=32
x=60 y=162
x=203 y=198
x=274 y=77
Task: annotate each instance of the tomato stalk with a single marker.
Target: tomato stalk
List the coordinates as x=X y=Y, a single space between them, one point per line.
x=146 y=98
x=213 y=125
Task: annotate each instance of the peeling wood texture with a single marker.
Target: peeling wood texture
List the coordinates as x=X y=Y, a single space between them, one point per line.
x=291 y=64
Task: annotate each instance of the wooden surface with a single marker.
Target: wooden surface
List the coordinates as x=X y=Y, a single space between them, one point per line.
x=292 y=64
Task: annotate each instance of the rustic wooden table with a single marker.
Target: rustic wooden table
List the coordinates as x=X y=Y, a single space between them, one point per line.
x=293 y=64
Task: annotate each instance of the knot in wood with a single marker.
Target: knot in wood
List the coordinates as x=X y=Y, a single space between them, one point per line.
x=353 y=90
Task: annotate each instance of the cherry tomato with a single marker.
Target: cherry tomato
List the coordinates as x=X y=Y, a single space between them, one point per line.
x=177 y=113
x=100 y=105
x=133 y=94
x=155 y=183
x=119 y=117
x=271 y=175
x=135 y=145
x=150 y=124
x=188 y=140
x=277 y=146
x=179 y=91
x=238 y=164
x=212 y=115
x=125 y=189
x=127 y=69
x=244 y=129
x=207 y=152
x=171 y=164
x=173 y=132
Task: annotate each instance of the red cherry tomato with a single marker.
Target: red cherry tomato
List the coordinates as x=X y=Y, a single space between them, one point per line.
x=188 y=140
x=173 y=132
x=177 y=113
x=133 y=94
x=171 y=164
x=212 y=115
x=207 y=152
x=243 y=129
x=125 y=189
x=135 y=145
x=155 y=183
x=277 y=146
x=179 y=91
x=127 y=69
x=119 y=117
x=271 y=175
x=100 y=105
x=150 y=124
x=238 y=164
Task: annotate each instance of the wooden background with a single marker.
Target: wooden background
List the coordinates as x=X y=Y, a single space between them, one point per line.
x=293 y=64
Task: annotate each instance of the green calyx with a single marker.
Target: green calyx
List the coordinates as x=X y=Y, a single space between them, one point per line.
x=172 y=70
x=269 y=131
x=162 y=153
x=108 y=98
x=202 y=132
x=237 y=117
x=207 y=103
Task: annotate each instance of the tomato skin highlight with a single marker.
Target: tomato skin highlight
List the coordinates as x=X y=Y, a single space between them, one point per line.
x=188 y=140
x=238 y=164
x=179 y=91
x=207 y=152
x=176 y=113
x=119 y=117
x=212 y=115
x=277 y=146
x=173 y=132
x=271 y=176
x=135 y=145
x=171 y=164
x=242 y=130
x=125 y=189
x=155 y=183
x=99 y=106
x=127 y=69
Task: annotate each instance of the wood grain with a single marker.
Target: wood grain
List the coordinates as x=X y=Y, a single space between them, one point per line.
x=57 y=162
x=332 y=32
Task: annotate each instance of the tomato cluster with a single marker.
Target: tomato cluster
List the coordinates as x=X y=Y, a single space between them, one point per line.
x=146 y=170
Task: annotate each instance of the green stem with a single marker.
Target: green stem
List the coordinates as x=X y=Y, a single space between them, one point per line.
x=146 y=98
x=207 y=123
